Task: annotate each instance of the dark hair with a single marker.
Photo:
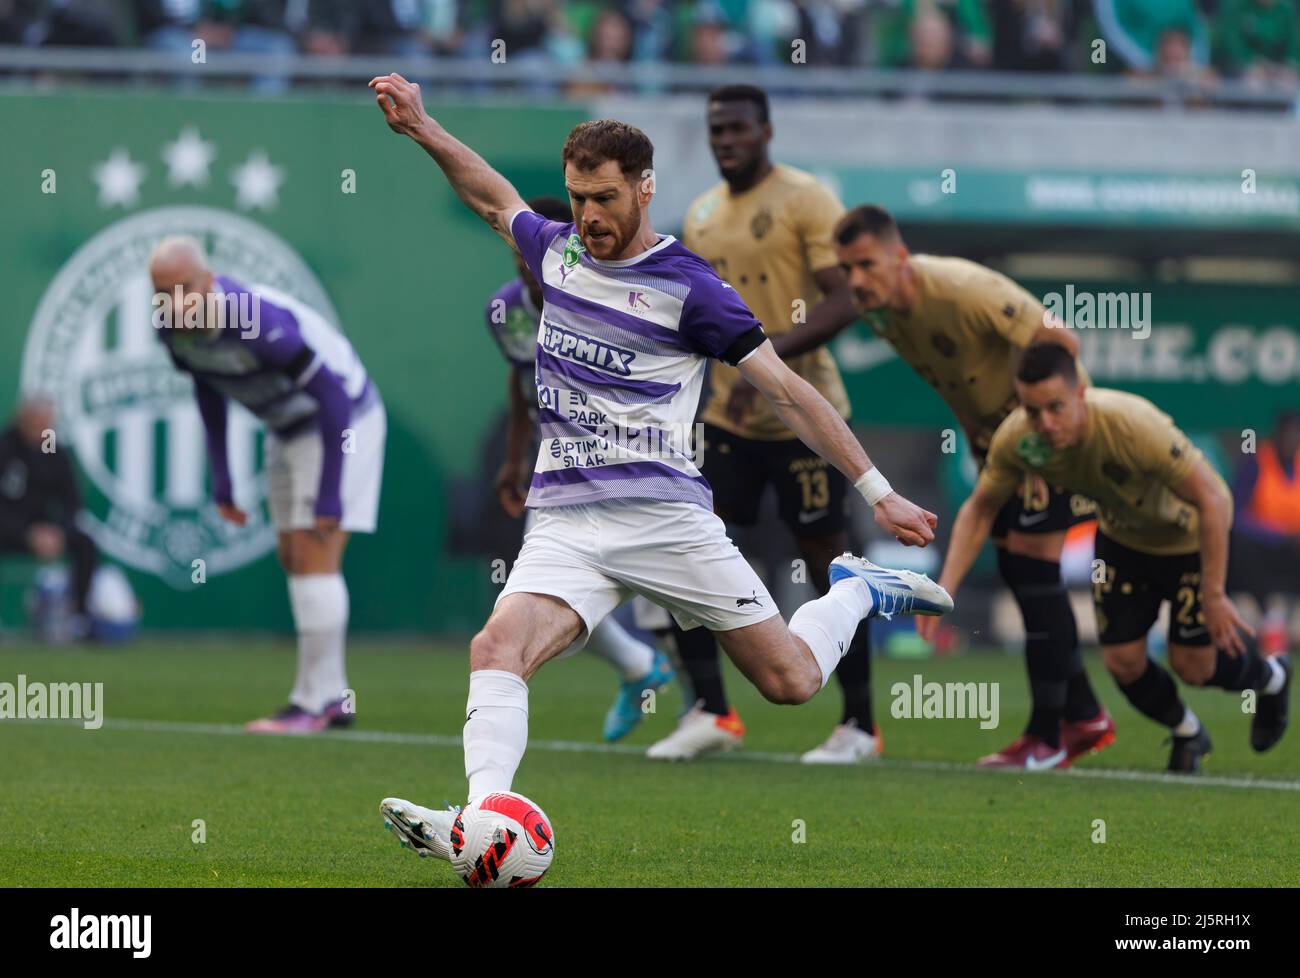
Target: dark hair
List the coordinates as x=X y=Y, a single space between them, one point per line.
x=592 y=143
x=866 y=219
x=743 y=93
x=1043 y=360
x=551 y=208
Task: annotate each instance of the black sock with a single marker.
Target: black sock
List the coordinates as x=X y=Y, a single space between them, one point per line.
x=1154 y=695
x=854 y=675
x=699 y=654
x=1051 y=639
x=1250 y=670
x=1080 y=701
x=1048 y=706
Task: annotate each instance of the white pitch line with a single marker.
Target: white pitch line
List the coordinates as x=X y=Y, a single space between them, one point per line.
x=574 y=746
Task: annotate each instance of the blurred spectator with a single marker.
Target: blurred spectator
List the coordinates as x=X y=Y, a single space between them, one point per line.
x=393 y=27
x=653 y=29
x=396 y=27
x=969 y=38
x=1175 y=59
x=261 y=27
x=1168 y=37
x=58 y=23
x=1257 y=40
x=525 y=26
x=1266 y=503
x=930 y=41
x=39 y=498
x=709 y=43
x=831 y=29
x=609 y=42
x=1032 y=35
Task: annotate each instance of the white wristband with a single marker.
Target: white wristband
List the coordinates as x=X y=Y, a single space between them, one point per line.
x=873 y=486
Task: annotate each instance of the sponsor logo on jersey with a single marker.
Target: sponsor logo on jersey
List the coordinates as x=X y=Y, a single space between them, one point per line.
x=1034 y=449
x=583 y=349
x=573 y=250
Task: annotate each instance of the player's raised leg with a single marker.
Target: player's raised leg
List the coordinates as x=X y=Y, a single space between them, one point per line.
x=790 y=664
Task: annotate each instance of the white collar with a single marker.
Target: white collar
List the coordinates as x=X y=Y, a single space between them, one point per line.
x=664 y=242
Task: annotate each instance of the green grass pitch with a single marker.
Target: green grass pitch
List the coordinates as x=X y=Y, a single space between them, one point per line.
x=116 y=806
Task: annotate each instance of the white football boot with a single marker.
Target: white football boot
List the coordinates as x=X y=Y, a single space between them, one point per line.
x=698 y=733
x=424 y=831
x=894 y=592
x=847 y=744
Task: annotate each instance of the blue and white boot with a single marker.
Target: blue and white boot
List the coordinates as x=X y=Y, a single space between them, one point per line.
x=893 y=592
x=626 y=712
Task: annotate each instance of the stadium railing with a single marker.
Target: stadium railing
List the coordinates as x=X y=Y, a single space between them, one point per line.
x=133 y=65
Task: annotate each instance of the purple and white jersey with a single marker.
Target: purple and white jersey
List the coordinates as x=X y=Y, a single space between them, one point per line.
x=287 y=365
x=266 y=369
x=621 y=352
x=512 y=320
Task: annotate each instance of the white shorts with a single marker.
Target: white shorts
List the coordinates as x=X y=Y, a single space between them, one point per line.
x=293 y=475
x=595 y=556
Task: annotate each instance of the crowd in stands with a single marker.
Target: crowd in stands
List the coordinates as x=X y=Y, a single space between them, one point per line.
x=1198 y=40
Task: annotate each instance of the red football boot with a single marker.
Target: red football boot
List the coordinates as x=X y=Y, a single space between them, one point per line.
x=1029 y=752
x=1088 y=736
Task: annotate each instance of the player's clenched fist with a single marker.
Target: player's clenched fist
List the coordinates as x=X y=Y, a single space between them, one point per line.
x=400 y=102
x=909 y=523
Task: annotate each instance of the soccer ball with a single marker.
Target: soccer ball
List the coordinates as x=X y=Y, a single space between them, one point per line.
x=503 y=839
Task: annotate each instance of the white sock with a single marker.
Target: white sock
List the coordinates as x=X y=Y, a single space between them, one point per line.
x=1274 y=684
x=496 y=730
x=828 y=623
x=320 y=616
x=1189 y=726
x=617 y=646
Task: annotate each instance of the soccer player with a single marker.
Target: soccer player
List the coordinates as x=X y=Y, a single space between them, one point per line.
x=324 y=446
x=766 y=230
x=962 y=327
x=1163 y=519
x=513 y=315
x=628 y=320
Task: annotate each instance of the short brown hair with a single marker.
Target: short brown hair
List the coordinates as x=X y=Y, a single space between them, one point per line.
x=1039 y=361
x=866 y=219
x=592 y=143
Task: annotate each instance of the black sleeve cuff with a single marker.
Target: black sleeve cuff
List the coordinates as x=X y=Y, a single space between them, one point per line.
x=744 y=345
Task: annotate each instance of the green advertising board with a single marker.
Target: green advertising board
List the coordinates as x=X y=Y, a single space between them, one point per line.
x=319 y=198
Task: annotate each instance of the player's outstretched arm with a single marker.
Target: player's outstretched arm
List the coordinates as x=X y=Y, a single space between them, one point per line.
x=811 y=417
x=484 y=191
x=1222 y=619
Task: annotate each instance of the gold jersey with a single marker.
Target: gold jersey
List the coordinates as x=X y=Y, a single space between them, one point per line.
x=766 y=243
x=1128 y=460
x=963 y=335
